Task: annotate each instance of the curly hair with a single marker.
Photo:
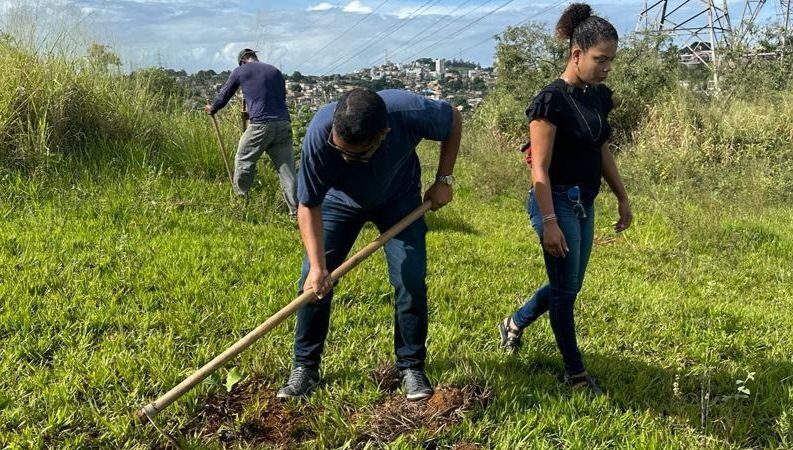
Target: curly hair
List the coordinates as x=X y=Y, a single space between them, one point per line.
x=578 y=25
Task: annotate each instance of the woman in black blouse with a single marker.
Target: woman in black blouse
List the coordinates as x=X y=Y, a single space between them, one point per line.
x=569 y=132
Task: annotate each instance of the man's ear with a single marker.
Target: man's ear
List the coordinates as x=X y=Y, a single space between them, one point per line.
x=385 y=132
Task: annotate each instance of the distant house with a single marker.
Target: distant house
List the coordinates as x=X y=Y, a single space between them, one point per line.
x=696 y=53
x=474 y=102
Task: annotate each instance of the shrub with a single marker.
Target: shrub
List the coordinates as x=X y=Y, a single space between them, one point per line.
x=529 y=57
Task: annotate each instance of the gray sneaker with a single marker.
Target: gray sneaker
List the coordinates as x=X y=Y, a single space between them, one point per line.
x=416 y=385
x=301 y=382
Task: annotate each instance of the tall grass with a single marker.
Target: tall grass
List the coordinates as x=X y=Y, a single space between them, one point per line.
x=57 y=111
x=687 y=142
x=735 y=148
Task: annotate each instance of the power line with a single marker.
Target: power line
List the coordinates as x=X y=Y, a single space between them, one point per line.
x=455 y=20
x=329 y=10
x=454 y=33
x=523 y=22
x=259 y=35
x=413 y=39
x=344 y=32
x=384 y=34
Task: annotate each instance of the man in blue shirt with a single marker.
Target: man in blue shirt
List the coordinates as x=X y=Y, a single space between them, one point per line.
x=270 y=130
x=359 y=164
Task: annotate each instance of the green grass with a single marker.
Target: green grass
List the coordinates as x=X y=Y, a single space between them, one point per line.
x=114 y=287
x=124 y=267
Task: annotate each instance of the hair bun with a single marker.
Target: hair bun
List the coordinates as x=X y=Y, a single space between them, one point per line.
x=571 y=18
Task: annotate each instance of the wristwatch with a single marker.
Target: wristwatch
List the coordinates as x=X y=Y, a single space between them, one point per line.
x=445 y=179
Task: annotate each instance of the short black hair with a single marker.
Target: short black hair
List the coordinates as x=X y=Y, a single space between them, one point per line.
x=360 y=116
x=582 y=28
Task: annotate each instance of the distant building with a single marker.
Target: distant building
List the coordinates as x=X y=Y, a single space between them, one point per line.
x=696 y=53
x=463 y=86
x=474 y=102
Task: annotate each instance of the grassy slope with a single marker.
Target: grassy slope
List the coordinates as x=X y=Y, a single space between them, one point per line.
x=114 y=290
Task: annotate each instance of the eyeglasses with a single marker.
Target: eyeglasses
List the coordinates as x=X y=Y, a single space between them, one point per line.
x=364 y=156
x=574 y=195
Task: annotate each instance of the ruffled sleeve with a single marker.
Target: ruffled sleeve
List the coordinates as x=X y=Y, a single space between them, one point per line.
x=546 y=105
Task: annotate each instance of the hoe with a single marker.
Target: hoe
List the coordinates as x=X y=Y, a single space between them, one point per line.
x=146 y=413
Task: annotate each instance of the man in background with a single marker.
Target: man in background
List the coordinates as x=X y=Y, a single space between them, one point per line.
x=264 y=90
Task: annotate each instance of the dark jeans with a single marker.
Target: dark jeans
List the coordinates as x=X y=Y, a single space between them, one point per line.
x=406 y=255
x=565 y=275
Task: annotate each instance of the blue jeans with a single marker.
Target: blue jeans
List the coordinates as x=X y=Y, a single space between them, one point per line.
x=565 y=275
x=406 y=255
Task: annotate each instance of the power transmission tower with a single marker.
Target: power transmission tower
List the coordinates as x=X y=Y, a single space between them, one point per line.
x=785 y=16
x=751 y=10
x=643 y=24
x=702 y=26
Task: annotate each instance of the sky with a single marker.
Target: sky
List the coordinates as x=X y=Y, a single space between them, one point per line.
x=314 y=37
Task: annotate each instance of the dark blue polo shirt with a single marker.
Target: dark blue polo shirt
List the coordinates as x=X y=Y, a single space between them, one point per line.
x=264 y=89
x=394 y=171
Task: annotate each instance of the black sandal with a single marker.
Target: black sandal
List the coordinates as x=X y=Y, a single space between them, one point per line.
x=510 y=340
x=583 y=382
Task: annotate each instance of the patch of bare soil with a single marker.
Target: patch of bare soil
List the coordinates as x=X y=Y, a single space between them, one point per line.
x=271 y=423
x=466 y=446
x=386 y=377
x=396 y=416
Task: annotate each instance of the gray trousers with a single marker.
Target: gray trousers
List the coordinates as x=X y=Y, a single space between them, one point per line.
x=275 y=138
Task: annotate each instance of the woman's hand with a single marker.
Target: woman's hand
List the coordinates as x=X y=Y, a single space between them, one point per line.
x=626 y=216
x=553 y=240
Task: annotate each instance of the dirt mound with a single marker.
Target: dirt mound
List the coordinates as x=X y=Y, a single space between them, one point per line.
x=466 y=446
x=396 y=416
x=386 y=376
x=267 y=420
x=251 y=414
x=432 y=445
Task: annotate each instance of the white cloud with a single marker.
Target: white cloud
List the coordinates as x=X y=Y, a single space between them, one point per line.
x=228 y=53
x=199 y=53
x=403 y=12
x=324 y=6
x=357 y=7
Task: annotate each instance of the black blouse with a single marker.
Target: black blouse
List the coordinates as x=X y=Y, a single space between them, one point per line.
x=581 y=120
